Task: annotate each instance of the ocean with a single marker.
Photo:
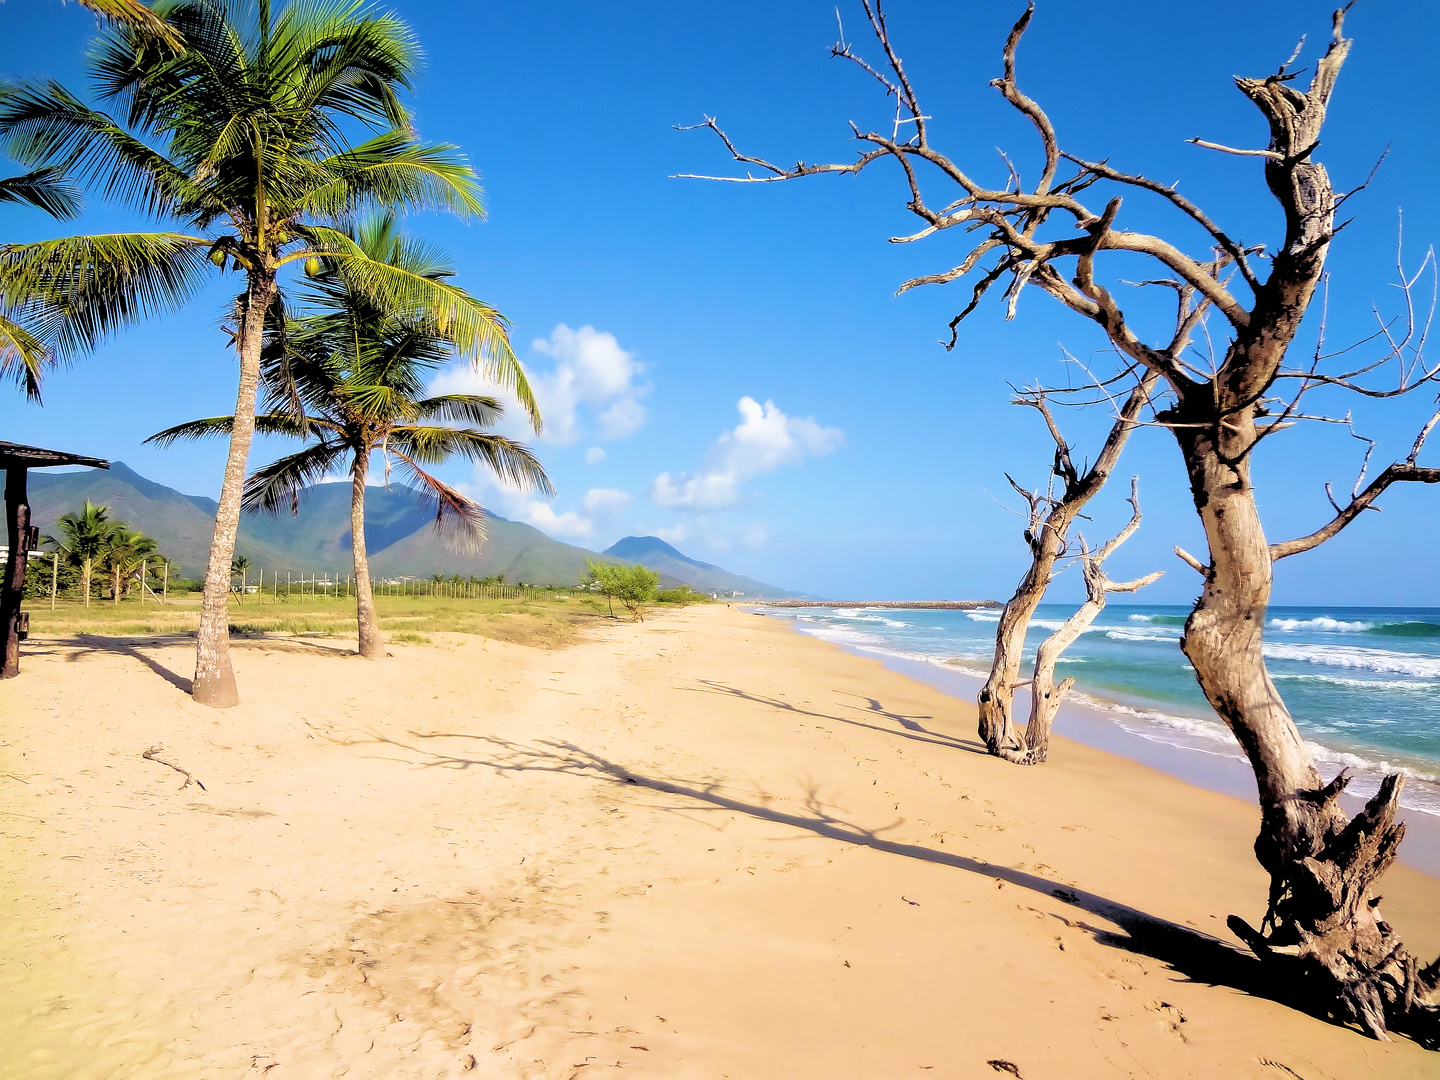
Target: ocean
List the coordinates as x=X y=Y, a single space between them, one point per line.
x=1362 y=683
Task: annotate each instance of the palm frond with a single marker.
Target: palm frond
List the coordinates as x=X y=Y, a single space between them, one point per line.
x=337 y=55
x=79 y=289
x=512 y=462
x=214 y=426
x=461 y=408
x=44 y=124
x=47 y=188
x=23 y=357
x=280 y=482
x=138 y=18
x=459 y=519
x=478 y=331
x=393 y=171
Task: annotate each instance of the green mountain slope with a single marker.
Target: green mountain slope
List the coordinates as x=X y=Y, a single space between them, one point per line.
x=181 y=524
x=399 y=530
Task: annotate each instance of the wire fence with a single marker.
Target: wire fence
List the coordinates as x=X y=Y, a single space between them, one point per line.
x=271 y=585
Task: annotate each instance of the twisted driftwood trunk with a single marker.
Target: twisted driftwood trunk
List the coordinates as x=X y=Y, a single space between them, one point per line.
x=1046 y=695
x=1047 y=535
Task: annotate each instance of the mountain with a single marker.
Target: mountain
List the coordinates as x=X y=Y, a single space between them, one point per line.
x=398 y=528
x=182 y=523
x=702 y=577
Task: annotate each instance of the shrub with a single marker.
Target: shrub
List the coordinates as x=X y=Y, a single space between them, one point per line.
x=633 y=586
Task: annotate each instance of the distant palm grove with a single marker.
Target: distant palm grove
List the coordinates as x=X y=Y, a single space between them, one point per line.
x=273 y=143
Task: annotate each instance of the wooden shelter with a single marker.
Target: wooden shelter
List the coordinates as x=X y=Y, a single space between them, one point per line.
x=17 y=461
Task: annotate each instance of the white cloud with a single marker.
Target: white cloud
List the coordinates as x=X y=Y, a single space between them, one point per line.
x=754 y=536
x=763 y=441
x=605 y=502
x=591 y=369
x=591 y=374
x=599 y=507
x=543 y=517
x=677 y=535
x=594 y=455
x=622 y=419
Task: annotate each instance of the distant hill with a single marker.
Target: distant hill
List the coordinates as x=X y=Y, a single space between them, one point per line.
x=398 y=528
x=183 y=524
x=703 y=577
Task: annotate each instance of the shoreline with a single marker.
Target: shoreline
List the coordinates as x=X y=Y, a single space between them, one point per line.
x=698 y=846
x=1224 y=772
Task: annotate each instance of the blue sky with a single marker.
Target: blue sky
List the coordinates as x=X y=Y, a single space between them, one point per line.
x=727 y=365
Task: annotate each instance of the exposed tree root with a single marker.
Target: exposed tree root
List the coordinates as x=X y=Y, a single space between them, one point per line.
x=1327 y=943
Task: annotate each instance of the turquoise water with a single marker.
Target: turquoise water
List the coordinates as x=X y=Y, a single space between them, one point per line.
x=1362 y=683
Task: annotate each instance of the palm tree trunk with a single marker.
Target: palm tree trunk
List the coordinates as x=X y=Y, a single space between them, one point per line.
x=372 y=645
x=115 y=585
x=214 y=677
x=85 y=579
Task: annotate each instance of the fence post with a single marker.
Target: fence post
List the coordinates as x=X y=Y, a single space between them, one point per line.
x=165 y=584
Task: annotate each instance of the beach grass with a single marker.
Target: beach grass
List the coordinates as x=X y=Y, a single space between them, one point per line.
x=547 y=622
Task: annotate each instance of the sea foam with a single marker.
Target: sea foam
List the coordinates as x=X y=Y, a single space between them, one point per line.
x=1353 y=656
x=1321 y=625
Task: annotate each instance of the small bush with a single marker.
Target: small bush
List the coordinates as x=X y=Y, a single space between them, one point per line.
x=683 y=595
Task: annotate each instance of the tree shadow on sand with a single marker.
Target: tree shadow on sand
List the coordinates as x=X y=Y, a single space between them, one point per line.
x=909 y=726
x=1194 y=955
x=77 y=647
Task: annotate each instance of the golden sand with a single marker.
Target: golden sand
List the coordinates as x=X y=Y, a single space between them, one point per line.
x=701 y=846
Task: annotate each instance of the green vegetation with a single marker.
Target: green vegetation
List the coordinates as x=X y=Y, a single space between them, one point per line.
x=348 y=378
x=681 y=597
x=90 y=540
x=543 y=620
x=633 y=586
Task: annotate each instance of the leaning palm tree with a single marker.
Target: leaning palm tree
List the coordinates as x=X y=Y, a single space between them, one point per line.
x=240 y=139
x=84 y=540
x=349 y=378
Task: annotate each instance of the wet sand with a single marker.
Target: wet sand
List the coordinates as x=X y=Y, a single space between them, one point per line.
x=701 y=846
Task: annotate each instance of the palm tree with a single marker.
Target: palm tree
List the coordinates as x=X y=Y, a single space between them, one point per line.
x=349 y=378
x=84 y=539
x=126 y=551
x=240 y=138
x=240 y=565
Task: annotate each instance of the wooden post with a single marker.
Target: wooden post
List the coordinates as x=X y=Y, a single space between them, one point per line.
x=54 y=577
x=143 y=565
x=165 y=584
x=12 y=589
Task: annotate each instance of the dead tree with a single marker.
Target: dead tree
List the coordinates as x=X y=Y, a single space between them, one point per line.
x=1047 y=534
x=1046 y=695
x=1322 y=933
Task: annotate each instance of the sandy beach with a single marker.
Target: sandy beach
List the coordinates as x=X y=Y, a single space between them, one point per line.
x=698 y=846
